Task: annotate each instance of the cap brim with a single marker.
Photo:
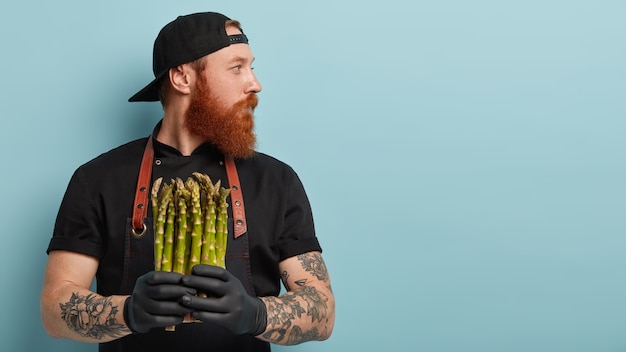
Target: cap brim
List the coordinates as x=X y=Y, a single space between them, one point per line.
x=149 y=92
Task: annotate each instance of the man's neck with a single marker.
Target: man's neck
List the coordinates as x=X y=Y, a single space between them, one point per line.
x=175 y=134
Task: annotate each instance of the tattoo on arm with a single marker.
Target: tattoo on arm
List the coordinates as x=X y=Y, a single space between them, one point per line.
x=306 y=301
x=302 y=314
x=91 y=316
x=284 y=276
x=313 y=263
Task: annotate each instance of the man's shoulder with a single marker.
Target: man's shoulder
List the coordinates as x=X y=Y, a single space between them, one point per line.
x=128 y=154
x=263 y=160
x=264 y=164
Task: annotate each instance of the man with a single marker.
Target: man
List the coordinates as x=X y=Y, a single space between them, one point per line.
x=204 y=80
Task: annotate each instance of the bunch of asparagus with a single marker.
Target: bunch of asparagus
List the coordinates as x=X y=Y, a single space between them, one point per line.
x=191 y=225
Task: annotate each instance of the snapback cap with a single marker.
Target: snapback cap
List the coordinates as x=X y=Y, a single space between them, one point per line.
x=183 y=40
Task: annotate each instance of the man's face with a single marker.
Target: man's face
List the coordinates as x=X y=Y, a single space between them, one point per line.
x=223 y=100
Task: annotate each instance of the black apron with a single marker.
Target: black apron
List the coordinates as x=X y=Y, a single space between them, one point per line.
x=139 y=259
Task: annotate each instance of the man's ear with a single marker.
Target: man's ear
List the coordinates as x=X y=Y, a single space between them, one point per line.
x=180 y=78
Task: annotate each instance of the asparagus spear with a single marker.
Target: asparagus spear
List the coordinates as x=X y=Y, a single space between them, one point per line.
x=221 y=227
x=168 y=237
x=181 y=233
x=158 y=223
x=160 y=204
x=156 y=187
x=207 y=252
x=196 y=233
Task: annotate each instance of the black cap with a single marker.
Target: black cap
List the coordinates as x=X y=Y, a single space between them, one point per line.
x=183 y=40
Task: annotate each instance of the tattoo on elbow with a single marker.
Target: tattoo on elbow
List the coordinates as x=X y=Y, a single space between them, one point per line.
x=283 y=323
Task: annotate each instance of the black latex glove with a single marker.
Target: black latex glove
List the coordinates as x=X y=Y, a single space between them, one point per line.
x=155 y=301
x=228 y=304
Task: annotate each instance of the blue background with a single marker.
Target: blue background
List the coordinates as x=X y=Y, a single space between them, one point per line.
x=464 y=159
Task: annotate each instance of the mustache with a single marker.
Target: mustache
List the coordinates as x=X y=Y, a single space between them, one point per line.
x=251 y=101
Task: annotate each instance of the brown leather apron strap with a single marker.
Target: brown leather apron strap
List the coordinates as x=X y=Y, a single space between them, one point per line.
x=140 y=205
x=236 y=198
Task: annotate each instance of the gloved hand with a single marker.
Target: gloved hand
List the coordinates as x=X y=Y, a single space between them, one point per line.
x=228 y=304
x=155 y=301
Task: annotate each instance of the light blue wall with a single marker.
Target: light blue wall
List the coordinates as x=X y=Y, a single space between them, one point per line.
x=465 y=159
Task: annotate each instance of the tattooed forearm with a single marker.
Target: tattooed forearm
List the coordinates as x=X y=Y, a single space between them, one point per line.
x=306 y=312
x=297 y=336
x=293 y=317
x=91 y=316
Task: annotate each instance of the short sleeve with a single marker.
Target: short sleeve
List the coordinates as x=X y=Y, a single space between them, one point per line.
x=298 y=233
x=77 y=226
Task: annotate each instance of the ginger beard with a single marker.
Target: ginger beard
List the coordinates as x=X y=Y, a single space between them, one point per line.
x=230 y=129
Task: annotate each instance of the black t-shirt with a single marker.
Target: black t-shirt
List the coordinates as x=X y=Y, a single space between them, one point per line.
x=94 y=215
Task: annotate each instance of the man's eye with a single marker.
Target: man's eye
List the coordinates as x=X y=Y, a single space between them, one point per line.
x=237 y=68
